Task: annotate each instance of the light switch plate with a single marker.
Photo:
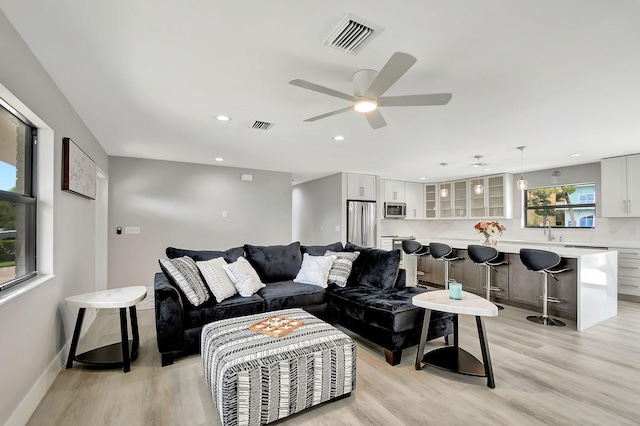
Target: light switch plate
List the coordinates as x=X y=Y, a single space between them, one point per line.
x=132 y=230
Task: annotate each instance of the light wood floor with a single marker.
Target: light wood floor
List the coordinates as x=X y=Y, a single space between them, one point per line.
x=543 y=376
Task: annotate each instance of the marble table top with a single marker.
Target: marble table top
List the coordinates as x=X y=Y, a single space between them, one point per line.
x=114 y=298
x=470 y=304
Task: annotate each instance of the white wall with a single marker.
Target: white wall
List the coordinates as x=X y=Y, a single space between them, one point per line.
x=35 y=325
x=608 y=231
x=318 y=208
x=181 y=205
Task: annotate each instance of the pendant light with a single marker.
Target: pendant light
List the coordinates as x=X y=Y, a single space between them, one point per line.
x=522 y=182
x=478 y=188
x=444 y=192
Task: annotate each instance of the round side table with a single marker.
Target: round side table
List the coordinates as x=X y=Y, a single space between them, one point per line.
x=116 y=354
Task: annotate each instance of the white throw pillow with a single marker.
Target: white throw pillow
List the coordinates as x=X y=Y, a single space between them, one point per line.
x=314 y=270
x=244 y=277
x=341 y=267
x=216 y=278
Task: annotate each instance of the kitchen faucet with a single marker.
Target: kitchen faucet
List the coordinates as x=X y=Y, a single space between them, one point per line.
x=547 y=224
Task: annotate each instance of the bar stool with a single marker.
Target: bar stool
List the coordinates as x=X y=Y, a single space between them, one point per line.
x=415 y=248
x=490 y=257
x=547 y=263
x=445 y=253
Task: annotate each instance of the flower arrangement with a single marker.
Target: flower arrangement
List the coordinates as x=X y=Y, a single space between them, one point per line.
x=489 y=228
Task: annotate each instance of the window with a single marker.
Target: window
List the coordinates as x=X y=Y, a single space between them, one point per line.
x=567 y=206
x=17 y=198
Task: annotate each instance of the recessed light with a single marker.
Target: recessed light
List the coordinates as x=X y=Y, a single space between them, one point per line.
x=575 y=155
x=338 y=138
x=423 y=178
x=223 y=118
x=219 y=159
x=487 y=169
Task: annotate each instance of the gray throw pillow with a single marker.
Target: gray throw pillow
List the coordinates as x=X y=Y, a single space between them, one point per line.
x=217 y=279
x=341 y=267
x=184 y=272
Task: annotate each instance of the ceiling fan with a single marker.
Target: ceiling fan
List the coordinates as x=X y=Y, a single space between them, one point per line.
x=368 y=88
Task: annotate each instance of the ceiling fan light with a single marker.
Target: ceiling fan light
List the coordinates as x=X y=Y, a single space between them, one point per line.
x=365 y=105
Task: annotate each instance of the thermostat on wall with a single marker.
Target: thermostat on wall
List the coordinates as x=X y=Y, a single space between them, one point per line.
x=247 y=178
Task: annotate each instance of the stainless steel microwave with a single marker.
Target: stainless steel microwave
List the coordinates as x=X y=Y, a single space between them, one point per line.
x=395 y=210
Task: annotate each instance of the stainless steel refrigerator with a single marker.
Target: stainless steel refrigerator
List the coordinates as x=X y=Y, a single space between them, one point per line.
x=361 y=223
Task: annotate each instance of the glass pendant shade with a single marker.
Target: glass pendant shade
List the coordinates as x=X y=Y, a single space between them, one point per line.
x=444 y=192
x=522 y=184
x=478 y=189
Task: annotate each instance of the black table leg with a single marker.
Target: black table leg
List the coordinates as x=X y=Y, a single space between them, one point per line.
x=76 y=337
x=486 y=358
x=134 y=330
x=125 y=340
x=423 y=338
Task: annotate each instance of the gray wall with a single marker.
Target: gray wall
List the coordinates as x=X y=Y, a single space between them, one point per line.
x=181 y=205
x=318 y=208
x=36 y=325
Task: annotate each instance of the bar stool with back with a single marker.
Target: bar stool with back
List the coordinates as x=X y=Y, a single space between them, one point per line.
x=546 y=263
x=490 y=257
x=415 y=248
x=445 y=253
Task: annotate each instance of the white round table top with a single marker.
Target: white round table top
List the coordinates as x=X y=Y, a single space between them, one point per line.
x=114 y=298
x=470 y=304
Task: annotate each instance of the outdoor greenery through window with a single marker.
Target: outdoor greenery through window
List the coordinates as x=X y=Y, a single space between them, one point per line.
x=566 y=206
x=17 y=199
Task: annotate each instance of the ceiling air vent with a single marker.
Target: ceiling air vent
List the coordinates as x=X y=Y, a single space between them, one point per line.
x=261 y=125
x=352 y=34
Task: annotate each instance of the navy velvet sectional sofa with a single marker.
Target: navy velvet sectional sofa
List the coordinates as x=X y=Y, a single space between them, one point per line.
x=374 y=304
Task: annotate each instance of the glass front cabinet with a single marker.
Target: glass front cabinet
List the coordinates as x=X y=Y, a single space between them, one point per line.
x=496 y=201
x=454 y=203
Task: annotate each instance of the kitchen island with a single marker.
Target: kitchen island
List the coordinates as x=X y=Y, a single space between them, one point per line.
x=592 y=286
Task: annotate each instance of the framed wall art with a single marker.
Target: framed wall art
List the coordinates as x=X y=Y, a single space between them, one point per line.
x=78 y=170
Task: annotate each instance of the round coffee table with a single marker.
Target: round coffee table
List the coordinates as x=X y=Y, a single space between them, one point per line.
x=453 y=358
x=116 y=354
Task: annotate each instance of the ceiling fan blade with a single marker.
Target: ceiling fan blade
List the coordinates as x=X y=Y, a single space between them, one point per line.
x=396 y=66
x=322 y=89
x=375 y=119
x=329 y=114
x=416 y=100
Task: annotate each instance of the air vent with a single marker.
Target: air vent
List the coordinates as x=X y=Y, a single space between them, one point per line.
x=352 y=34
x=261 y=125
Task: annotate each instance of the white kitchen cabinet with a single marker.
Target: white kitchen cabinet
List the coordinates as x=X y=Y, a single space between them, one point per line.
x=620 y=194
x=414 y=198
x=496 y=201
x=361 y=187
x=454 y=205
x=394 y=191
x=430 y=201
x=628 y=271
x=386 y=243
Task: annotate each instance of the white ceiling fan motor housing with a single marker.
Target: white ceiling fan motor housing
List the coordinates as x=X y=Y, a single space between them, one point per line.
x=362 y=80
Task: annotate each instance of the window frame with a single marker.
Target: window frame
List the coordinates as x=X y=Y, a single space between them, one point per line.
x=527 y=207
x=28 y=198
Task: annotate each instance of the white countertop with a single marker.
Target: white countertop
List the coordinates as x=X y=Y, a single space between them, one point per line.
x=507 y=246
x=554 y=243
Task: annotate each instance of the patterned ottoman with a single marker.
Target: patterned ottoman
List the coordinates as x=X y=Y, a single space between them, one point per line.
x=255 y=378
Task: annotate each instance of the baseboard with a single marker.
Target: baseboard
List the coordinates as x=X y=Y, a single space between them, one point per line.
x=30 y=402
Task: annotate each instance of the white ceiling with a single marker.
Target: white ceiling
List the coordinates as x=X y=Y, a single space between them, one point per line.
x=148 y=78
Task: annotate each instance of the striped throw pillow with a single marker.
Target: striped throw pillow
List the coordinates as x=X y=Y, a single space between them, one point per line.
x=184 y=273
x=217 y=279
x=341 y=267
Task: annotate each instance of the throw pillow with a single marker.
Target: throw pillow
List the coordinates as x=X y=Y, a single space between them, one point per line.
x=275 y=263
x=375 y=268
x=341 y=267
x=314 y=270
x=183 y=271
x=244 y=277
x=229 y=255
x=320 y=250
x=216 y=278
